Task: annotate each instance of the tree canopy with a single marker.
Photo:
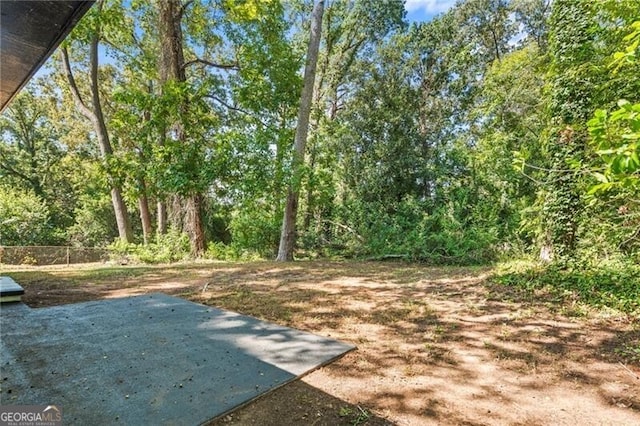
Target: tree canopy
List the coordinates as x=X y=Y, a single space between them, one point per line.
x=500 y=128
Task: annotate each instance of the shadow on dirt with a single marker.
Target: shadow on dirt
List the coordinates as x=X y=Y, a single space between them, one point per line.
x=430 y=336
x=299 y=403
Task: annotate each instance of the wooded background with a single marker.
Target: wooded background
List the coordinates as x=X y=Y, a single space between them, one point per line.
x=499 y=129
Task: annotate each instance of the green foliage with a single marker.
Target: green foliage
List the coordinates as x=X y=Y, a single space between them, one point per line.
x=256 y=228
x=24 y=218
x=616 y=137
x=32 y=158
x=511 y=119
x=231 y=252
x=170 y=247
x=630 y=351
x=460 y=140
x=94 y=222
x=572 y=83
x=357 y=416
x=614 y=285
x=407 y=230
x=629 y=55
x=248 y=10
x=28 y=150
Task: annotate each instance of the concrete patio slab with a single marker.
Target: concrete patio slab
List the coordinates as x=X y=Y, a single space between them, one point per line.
x=10 y=291
x=150 y=359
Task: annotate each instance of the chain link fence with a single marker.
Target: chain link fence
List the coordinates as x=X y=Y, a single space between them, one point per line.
x=51 y=255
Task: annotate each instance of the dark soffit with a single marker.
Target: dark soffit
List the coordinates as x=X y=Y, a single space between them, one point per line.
x=30 y=30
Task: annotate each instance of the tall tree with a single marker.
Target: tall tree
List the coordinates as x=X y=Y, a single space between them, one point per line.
x=488 y=26
x=263 y=101
x=533 y=15
x=351 y=32
x=29 y=148
x=572 y=89
x=93 y=112
x=288 y=234
x=172 y=70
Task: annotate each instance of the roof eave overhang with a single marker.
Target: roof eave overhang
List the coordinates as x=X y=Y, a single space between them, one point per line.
x=41 y=38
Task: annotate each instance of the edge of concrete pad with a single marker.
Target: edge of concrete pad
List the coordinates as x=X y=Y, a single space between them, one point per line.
x=275 y=388
x=260 y=340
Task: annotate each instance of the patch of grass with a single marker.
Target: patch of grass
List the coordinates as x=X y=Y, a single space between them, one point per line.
x=357 y=416
x=439 y=330
x=407 y=275
x=28 y=278
x=472 y=308
x=437 y=354
x=345 y=411
x=575 y=309
x=505 y=332
x=523 y=314
x=630 y=352
x=109 y=273
x=441 y=333
x=361 y=417
x=23 y=276
x=613 y=286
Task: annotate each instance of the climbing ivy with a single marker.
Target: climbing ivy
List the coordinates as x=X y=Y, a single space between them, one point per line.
x=572 y=85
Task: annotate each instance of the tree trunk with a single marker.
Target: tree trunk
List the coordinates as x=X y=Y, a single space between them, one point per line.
x=120 y=210
x=172 y=68
x=176 y=213
x=308 y=215
x=161 y=208
x=572 y=47
x=95 y=115
x=171 y=55
x=145 y=215
x=288 y=234
x=119 y=207
x=195 y=228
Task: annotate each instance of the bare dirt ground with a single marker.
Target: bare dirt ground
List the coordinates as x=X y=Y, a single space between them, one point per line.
x=435 y=345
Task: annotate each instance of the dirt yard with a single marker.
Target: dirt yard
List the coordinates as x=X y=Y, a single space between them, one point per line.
x=435 y=345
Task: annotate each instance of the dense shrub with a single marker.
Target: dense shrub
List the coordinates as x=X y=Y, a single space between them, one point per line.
x=410 y=229
x=170 y=247
x=255 y=229
x=231 y=252
x=24 y=218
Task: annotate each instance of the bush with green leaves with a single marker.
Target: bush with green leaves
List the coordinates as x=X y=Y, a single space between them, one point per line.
x=95 y=223
x=255 y=228
x=24 y=218
x=615 y=138
x=231 y=252
x=170 y=247
x=416 y=231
